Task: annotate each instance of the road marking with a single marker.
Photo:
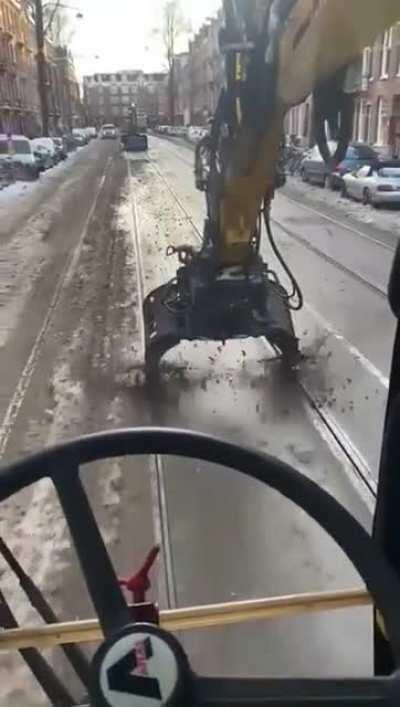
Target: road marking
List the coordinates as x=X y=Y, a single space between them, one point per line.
x=21 y=389
x=163 y=528
x=353 y=350
x=360 y=476
x=139 y=262
x=339 y=444
x=309 y=246
x=196 y=228
x=167 y=587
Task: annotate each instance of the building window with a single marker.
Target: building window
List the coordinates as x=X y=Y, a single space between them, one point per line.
x=386 y=53
x=380 y=122
x=398 y=49
x=105 y=77
x=356 y=120
x=118 y=77
x=358 y=133
x=294 y=121
x=367 y=63
x=306 y=120
x=365 y=122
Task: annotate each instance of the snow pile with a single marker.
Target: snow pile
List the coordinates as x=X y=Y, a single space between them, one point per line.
x=19 y=193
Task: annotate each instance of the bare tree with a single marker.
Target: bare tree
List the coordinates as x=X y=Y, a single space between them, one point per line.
x=174 y=27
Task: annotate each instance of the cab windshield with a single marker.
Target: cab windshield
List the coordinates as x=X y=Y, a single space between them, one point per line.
x=202 y=239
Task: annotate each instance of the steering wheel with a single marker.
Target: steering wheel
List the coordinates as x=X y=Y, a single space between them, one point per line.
x=141 y=665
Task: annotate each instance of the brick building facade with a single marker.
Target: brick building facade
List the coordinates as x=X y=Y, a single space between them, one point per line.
x=377 y=110
x=66 y=107
x=19 y=94
x=108 y=97
x=181 y=63
x=153 y=98
x=377 y=119
x=17 y=103
x=205 y=73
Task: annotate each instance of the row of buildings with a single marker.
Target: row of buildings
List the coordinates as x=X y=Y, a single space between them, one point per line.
x=199 y=77
x=108 y=97
x=19 y=95
x=377 y=113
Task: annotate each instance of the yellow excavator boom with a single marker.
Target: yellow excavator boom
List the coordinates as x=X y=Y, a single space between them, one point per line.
x=319 y=38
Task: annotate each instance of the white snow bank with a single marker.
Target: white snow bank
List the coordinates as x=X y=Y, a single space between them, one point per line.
x=10 y=197
x=15 y=191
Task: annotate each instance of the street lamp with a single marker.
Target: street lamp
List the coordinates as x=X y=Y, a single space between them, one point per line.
x=41 y=32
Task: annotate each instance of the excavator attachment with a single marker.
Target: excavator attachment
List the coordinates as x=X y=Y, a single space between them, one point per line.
x=233 y=304
x=277 y=52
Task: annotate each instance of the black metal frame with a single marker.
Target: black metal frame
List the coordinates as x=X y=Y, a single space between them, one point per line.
x=202 y=304
x=62 y=463
x=386 y=529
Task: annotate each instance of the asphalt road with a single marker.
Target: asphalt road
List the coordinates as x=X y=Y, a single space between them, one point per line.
x=72 y=362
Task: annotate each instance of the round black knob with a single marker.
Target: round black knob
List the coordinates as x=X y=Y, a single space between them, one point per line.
x=141 y=666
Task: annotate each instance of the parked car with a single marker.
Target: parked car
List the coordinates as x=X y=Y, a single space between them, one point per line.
x=376 y=185
x=80 y=139
x=108 y=132
x=358 y=155
x=70 y=142
x=196 y=133
x=80 y=136
x=176 y=130
x=17 y=150
x=47 y=143
x=91 y=132
x=313 y=168
x=43 y=158
x=61 y=148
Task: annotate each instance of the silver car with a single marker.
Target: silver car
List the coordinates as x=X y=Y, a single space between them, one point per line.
x=375 y=185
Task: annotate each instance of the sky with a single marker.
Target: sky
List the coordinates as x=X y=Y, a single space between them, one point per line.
x=120 y=34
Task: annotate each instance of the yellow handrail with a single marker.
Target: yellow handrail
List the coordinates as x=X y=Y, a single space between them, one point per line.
x=195 y=617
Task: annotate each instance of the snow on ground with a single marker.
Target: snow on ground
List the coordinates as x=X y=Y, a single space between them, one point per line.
x=383 y=219
x=14 y=191
x=24 y=252
x=14 y=196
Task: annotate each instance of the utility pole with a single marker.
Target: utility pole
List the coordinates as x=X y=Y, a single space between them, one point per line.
x=42 y=67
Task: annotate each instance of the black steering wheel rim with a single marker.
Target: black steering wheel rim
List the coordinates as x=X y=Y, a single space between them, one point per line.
x=56 y=462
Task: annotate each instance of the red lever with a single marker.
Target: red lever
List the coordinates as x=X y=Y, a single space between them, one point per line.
x=140 y=583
